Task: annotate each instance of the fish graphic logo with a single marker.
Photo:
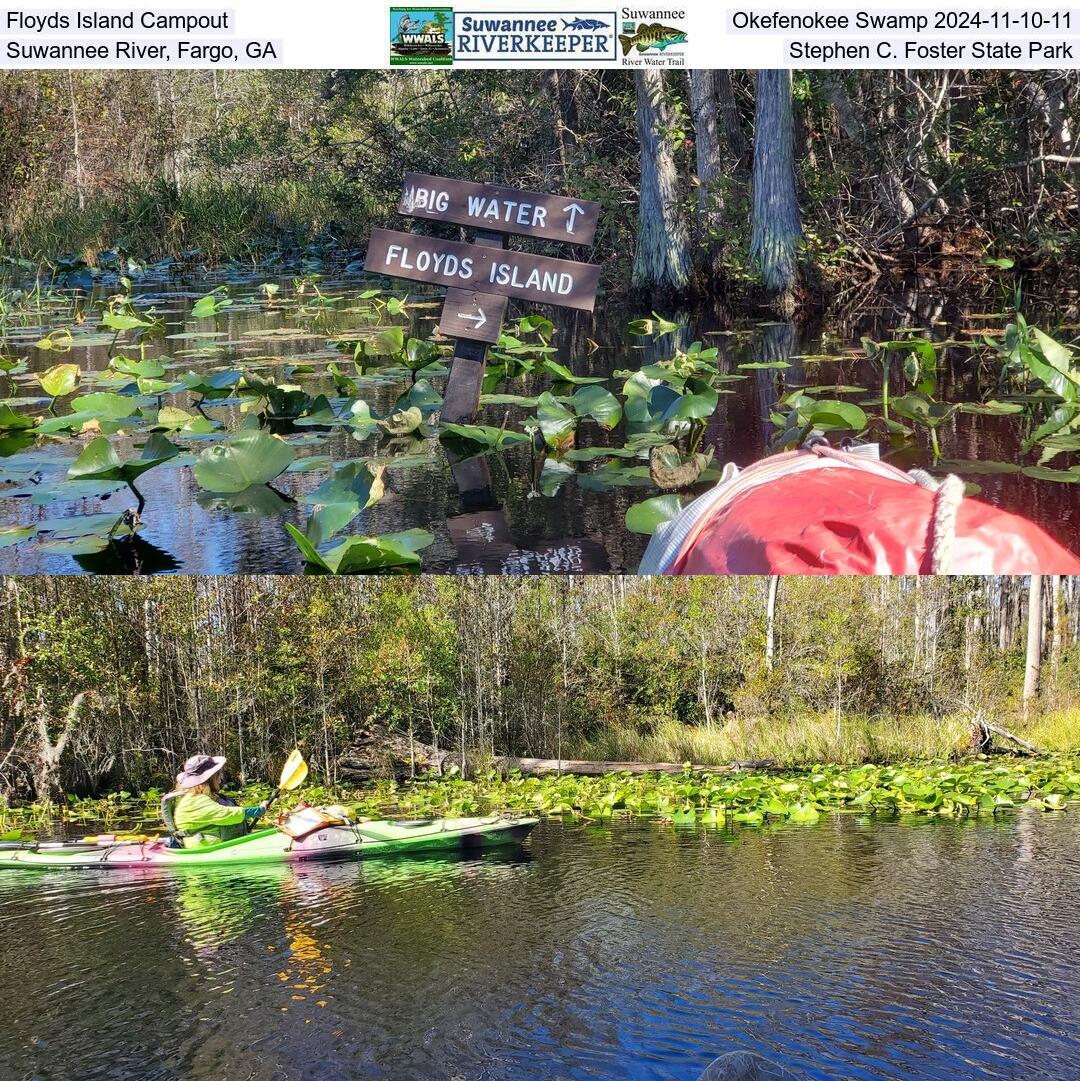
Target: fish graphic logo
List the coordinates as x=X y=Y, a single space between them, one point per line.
x=584 y=24
x=651 y=36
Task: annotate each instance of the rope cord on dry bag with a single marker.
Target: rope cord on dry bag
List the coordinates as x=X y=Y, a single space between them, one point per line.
x=948 y=495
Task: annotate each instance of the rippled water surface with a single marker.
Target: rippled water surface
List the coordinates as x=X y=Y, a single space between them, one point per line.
x=845 y=950
x=494 y=514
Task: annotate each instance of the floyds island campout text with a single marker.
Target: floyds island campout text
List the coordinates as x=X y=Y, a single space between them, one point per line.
x=103 y=48
x=41 y=22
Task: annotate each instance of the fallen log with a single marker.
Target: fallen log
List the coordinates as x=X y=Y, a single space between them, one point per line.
x=984 y=733
x=376 y=753
x=539 y=767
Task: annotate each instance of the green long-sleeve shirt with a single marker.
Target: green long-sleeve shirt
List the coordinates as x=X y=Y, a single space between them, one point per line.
x=201 y=819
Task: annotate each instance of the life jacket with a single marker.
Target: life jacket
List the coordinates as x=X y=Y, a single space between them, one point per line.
x=180 y=839
x=821 y=510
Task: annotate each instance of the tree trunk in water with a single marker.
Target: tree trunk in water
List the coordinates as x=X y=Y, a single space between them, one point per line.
x=708 y=254
x=776 y=227
x=49 y=751
x=662 y=258
x=1034 y=642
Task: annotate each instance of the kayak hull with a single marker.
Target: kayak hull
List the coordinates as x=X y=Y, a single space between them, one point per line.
x=337 y=842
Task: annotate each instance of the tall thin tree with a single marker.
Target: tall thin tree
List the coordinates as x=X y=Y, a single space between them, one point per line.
x=709 y=248
x=1033 y=662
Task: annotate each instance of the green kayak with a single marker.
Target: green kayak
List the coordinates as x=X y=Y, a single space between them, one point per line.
x=354 y=840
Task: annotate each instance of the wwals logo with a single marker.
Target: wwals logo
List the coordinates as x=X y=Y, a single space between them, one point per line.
x=421 y=36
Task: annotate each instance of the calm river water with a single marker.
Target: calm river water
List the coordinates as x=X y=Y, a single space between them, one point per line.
x=847 y=950
x=493 y=514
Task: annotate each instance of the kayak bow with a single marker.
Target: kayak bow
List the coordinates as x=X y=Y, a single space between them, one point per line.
x=359 y=840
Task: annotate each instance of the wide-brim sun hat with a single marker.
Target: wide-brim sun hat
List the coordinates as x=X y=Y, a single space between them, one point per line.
x=199 y=769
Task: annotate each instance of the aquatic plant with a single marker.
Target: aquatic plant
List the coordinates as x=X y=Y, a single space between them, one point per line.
x=971 y=789
x=639 y=428
x=100 y=461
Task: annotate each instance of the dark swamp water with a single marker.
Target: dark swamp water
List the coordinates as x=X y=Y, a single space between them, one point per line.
x=496 y=513
x=846 y=950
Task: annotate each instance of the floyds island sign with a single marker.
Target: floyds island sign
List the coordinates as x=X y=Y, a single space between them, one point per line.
x=479 y=277
x=513 y=274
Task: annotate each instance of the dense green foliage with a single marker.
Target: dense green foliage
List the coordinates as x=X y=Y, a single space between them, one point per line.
x=611 y=668
x=936 y=789
x=248 y=164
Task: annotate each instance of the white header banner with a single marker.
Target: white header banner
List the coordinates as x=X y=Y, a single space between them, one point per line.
x=478 y=34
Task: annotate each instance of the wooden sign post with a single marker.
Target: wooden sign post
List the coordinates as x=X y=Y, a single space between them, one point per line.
x=480 y=277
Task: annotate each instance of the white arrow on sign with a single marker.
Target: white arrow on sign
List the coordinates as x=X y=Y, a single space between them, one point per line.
x=573 y=210
x=479 y=320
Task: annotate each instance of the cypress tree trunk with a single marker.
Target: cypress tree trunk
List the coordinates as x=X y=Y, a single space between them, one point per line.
x=708 y=251
x=733 y=132
x=662 y=257
x=776 y=226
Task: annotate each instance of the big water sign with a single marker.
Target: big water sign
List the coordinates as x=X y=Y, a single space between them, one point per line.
x=480 y=276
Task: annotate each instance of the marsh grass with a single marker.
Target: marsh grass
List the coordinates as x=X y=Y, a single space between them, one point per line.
x=221 y=222
x=817 y=738
x=1058 y=730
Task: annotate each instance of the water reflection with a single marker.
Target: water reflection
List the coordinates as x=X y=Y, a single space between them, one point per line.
x=527 y=520
x=848 y=950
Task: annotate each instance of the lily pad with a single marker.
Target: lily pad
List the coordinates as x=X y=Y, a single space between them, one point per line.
x=403 y=422
x=562 y=374
x=100 y=461
x=477 y=438
x=241 y=460
x=598 y=403
x=365 y=555
x=647 y=516
x=10 y=421
x=15 y=534
x=1058 y=476
x=59 y=380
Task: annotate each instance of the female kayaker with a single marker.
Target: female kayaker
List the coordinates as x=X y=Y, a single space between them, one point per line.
x=196 y=813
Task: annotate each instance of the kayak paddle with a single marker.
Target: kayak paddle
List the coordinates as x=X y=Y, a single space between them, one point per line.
x=293 y=775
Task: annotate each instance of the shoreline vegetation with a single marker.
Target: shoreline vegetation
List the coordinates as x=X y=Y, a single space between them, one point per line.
x=976 y=787
x=109 y=684
x=755 y=186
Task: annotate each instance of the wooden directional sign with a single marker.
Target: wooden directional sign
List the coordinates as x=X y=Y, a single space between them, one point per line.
x=472 y=315
x=480 y=276
x=538 y=278
x=502 y=210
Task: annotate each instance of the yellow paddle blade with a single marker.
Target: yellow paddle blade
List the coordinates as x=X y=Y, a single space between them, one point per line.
x=294 y=772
